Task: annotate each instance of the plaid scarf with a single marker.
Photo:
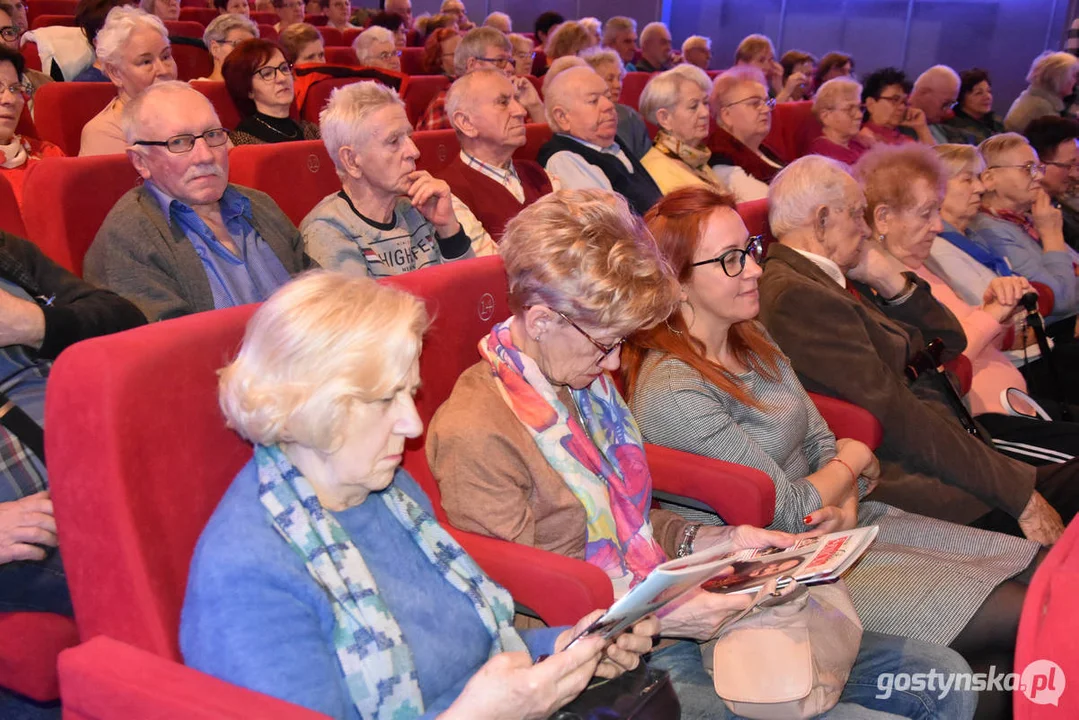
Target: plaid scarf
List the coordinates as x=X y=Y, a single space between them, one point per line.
x=1020 y=219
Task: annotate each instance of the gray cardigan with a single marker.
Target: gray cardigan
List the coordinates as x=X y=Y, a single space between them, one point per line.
x=138 y=254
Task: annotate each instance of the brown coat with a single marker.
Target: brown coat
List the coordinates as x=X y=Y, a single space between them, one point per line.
x=495 y=481
x=857 y=349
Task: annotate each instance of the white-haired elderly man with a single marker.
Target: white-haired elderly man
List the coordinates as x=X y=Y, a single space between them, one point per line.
x=655 y=48
x=389 y=218
x=186 y=240
x=935 y=93
x=620 y=35
x=697 y=50
x=490 y=48
x=500 y=21
x=484 y=178
x=585 y=151
x=375 y=47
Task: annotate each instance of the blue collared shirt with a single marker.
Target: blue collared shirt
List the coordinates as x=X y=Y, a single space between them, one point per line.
x=251 y=277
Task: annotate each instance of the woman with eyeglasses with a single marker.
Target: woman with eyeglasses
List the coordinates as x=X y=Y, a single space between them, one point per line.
x=259 y=81
x=711 y=381
x=375 y=47
x=524 y=52
x=743 y=113
x=17 y=153
x=838 y=107
x=888 y=113
x=222 y=36
x=677 y=101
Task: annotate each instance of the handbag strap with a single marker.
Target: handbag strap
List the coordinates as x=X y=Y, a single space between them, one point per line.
x=768 y=596
x=22 y=426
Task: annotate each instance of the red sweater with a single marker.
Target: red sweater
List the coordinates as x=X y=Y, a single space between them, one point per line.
x=491 y=203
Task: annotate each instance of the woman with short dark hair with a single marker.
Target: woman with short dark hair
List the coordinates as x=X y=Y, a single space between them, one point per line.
x=889 y=115
x=260 y=83
x=973 y=113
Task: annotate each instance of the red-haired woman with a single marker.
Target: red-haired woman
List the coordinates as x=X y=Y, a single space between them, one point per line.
x=259 y=80
x=438 y=51
x=711 y=381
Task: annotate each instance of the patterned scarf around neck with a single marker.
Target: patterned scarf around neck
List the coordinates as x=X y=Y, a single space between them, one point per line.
x=1015 y=218
x=695 y=157
x=371 y=651
x=603 y=463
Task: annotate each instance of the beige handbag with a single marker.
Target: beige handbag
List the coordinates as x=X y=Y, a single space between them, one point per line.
x=789 y=654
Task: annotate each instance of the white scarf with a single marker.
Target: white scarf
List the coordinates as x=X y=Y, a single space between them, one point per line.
x=15 y=154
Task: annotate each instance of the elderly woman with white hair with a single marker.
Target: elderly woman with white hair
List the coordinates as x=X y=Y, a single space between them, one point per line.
x=323 y=578
x=389 y=218
x=1051 y=79
x=524 y=53
x=134 y=51
x=677 y=102
x=375 y=47
x=631 y=128
x=222 y=36
x=743 y=114
x=838 y=107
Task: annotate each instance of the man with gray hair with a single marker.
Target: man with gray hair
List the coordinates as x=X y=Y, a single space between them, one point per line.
x=483 y=47
x=484 y=178
x=935 y=93
x=620 y=35
x=186 y=240
x=389 y=218
x=655 y=48
x=499 y=21
x=697 y=50
x=375 y=47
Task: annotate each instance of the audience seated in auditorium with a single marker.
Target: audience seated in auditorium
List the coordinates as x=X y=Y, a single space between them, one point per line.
x=260 y=83
x=697 y=50
x=524 y=54
x=499 y=21
x=389 y=218
x=233 y=7
x=404 y=9
x=889 y=115
x=743 y=114
x=838 y=106
x=186 y=240
x=302 y=44
x=973 y=115
x=337 y=14
x=569 y=38
x=857 y=346
x=133 y=49
x=486 y=181
x=167 y=10
x=620 y=35
x=544 y=24
x=90 y=17
x=9 y=38
x=439 y=50
x=757 y=51
x=1018 y=222
x=289 y=12
x=631 y=128
x=1051 y=79
x=676 y=101
x=222 y=36
x=18 y=152
x=710 y=381
x=395 y=24
x=536 y=431
x=796 y=61
x=585 y=151
x=832 y=65
x=1054 y=139
x=935 y=93
x=376 y=47
x=397 y=603
x=483 y=47
x=656 y=55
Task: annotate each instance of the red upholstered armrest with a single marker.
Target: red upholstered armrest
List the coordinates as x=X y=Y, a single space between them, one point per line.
x=1046 y=298
x=29 y=644
x=847 y=420
x=738 y=494
x=963 y=371
x=105 y=679
x=560 y=590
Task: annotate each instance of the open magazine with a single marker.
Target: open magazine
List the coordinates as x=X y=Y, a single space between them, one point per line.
x=811 y=561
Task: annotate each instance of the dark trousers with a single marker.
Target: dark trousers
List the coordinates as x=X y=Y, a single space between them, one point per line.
x=1058 y=484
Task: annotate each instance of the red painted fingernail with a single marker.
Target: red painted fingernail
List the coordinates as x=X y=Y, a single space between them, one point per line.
x=807 y=518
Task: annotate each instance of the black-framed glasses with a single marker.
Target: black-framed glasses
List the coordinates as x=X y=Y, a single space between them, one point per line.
x=180 y=144
x=896 y=99
x=9 y=33
x=733 y=261
x=605 y=349
x=1069 y=166
x=269 y=72
x=755 y=103
x=503 y=62
x=23 y=90
x=1034 y=168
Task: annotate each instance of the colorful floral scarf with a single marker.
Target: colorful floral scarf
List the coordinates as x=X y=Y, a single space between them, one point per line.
x=695 y=157
x=373 y=656
x=603 y=464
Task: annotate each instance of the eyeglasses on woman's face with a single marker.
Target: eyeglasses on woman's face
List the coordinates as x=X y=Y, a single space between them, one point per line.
x=733 y=261
x=269 y=72
x=755 y=103
x=607 y=350
x=895 y=99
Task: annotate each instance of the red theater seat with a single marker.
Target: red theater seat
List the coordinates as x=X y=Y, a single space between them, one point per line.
x=262 y=17
x=351 y=34
x=794 y=127
x=755 y=215
x=419 y=93
x=52 y=20
x=10 y=215
x=201 y=14
x=297 y=175
x=632 y=87
x=67 y=199
x=184 y=28
x=267 y=32
x=332 y=37
x=219 y=97
x=192 y=62
x=342 y=56
x=437 y=149
x=31 y=55
x=61 y=109
x=536 y=134
x=318 y=21
x=412 y=61
x=34 y=8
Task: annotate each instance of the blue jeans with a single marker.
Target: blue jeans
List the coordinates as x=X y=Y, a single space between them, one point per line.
x=35 y=586
x=879 y=654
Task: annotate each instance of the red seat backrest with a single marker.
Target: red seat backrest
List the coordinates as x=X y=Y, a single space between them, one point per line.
x=31 y=55
x=267 y=32
x=262 y=17
x=755 y=215
x=419 y=93
x=319 y=94
x=412 y=61
x=297 y=175
x=219 y=97
x=192 y=62
x=200 y=14
x=536 y=134
x=632 y=87
x=342 y=56
x=351 y=34
x=10 y=214
x=539 y=62
x=184 y=28
x=794 y=127
x=61 y=109
x=437 y=149
x=26 y=126
x=332 y=37
x=318 y=20
x=52 y=20
x=67 y=199
x=35 y=8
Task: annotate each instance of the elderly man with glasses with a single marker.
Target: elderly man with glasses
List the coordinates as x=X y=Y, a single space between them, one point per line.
x=1056 y=140
x=186 y=240
x=935 y=93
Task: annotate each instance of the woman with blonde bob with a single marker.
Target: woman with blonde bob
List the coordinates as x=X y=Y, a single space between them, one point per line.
x=838 y=107
x=322 y=577
x=1051 y=79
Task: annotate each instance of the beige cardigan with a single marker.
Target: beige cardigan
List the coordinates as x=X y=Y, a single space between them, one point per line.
x=495 y=481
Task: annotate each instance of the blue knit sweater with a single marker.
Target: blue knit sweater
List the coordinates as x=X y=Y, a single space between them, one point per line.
x=254 y=617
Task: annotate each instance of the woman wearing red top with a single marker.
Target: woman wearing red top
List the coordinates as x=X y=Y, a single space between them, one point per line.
x=17 y=153
x=889 y=115
x=838 y=107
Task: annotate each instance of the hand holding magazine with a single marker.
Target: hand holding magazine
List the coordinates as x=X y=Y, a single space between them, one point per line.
x=810 y=561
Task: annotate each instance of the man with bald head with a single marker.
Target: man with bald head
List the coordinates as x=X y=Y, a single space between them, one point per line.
x=186 y=240
x=490 y=125
x=585 y=151
x=935 y=93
